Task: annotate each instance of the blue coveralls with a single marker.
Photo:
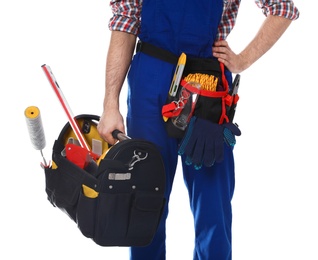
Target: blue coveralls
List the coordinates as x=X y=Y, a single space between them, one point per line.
x=188 y=26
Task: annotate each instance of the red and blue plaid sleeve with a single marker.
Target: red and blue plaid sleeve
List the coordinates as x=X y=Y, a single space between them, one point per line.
x=284 y=8
x=126 y=16
x=228 y=19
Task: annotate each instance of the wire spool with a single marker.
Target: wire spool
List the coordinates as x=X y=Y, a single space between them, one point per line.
x=35 y=128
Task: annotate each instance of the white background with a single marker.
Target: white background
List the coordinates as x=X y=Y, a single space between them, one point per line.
x=274 y=206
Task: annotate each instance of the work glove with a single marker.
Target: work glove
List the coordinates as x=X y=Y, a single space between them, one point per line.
x=203 y=141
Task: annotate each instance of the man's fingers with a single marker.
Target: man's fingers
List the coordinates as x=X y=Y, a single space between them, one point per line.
x=105 y=134
x=221 y=43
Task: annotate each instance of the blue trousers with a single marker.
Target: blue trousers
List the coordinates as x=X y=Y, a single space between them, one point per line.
x=210 y=189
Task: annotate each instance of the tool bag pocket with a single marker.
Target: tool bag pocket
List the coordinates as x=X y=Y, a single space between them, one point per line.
x=120 y=219
x=63 y=183
x=62 y=190
x=205 y=89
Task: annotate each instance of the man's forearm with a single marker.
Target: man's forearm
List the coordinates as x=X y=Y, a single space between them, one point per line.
x=121 y=48
x=271 y=30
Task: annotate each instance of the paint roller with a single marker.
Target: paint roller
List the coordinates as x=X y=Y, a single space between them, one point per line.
x=35 y=129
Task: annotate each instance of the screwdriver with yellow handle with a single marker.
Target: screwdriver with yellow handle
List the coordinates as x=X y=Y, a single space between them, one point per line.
x=177 y=77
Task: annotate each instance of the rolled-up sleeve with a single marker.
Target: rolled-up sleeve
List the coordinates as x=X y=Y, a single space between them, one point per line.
x=284 y=8
x=126 y=16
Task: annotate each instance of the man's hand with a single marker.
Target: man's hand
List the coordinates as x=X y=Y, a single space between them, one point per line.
x=271 y=30
x=109 y=121
x=222 y=51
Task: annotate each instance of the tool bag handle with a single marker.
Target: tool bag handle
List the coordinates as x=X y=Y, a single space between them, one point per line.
x=119 y=135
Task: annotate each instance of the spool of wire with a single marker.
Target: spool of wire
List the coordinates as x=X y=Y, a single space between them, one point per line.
x=35 y=128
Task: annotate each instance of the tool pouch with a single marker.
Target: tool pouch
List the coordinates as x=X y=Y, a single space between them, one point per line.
x=117 y=201
x=210 y=104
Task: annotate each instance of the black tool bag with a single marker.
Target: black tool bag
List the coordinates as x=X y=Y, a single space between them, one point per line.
x=117 y=202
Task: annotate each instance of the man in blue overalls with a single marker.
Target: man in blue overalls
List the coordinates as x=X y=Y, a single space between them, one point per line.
x=199 y=29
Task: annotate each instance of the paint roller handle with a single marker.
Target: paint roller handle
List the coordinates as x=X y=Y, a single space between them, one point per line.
x=119 y=135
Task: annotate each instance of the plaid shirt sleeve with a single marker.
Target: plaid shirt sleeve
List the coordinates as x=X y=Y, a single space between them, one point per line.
x=126 y=16
x=230 y=11
x=284 y=8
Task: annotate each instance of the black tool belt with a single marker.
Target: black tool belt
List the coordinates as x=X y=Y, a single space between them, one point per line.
x=207 y=66
x=156 y=52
